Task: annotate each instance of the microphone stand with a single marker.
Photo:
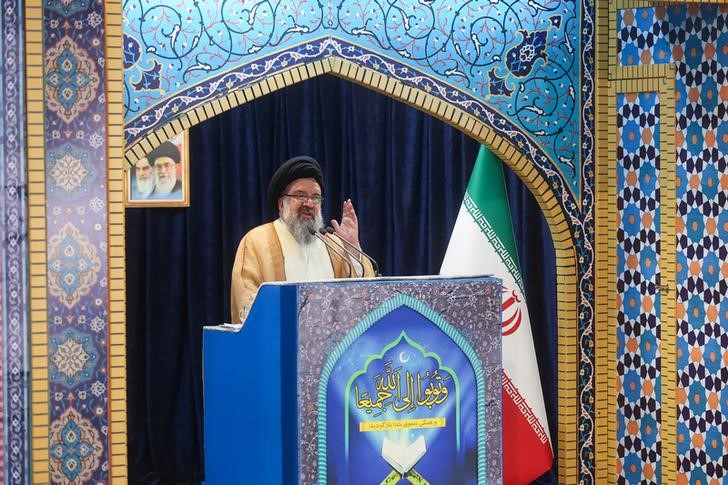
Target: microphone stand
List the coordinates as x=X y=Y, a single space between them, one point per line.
x=333 y=240
x=330 y=230
x=333 y=248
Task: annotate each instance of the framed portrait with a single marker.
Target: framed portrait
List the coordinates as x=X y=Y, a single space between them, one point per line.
x=161 y=177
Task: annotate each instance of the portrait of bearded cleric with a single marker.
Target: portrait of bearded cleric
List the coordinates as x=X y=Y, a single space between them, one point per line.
x=160 y=178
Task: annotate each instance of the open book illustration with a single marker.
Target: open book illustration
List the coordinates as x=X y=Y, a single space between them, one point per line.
x=403 y=457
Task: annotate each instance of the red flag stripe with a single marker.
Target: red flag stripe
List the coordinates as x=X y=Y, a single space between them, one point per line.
x=526 y=450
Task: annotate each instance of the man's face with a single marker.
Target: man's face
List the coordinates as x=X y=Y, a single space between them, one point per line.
x=165 y=170
x=144 y=177
x=301 y=216
x=143 y=170
x=303 y=210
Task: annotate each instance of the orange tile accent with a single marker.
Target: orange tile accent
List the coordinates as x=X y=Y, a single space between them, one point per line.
x=694 y=95
x=647 y=471
x=712 y=313
x=695 y=268
x=632 y=345
x=677 y=53
x=631 y=178
x=632 y=261
x=712 y=357
x=628 y=16
x=711 y=269
x=710 y=134
x=647 y=304
x=679 y=225
x=680 y=311
x=647 y=136
x=647 y=262
x=648 y=387
x=711 y=225
x=647 y=219
x=679 y=139
x=713 y=400
x=696 y=355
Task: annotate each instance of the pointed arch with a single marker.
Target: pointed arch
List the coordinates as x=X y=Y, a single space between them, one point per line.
x=559 y=221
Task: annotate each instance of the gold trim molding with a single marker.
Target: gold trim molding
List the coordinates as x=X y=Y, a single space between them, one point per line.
x=38 y=333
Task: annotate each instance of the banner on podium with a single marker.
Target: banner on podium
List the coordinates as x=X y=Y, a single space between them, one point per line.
x=403 y=395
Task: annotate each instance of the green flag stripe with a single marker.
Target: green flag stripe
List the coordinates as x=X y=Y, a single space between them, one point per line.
x=493 y=238
x=487 y=188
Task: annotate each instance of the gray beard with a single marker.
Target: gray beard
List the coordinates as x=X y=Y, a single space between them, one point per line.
x=301 y=230
x=145 y=187
x=164 y=188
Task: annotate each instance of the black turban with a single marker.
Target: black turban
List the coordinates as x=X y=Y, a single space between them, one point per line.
x=300 y=167
x=166 y=149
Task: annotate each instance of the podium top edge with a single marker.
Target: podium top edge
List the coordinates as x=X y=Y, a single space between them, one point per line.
x=230 y=327
x=381 y=279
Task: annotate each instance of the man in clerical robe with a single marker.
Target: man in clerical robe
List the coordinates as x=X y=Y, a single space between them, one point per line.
x=287 y=248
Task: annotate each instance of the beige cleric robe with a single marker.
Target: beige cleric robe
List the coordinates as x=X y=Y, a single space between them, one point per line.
x=260 y=259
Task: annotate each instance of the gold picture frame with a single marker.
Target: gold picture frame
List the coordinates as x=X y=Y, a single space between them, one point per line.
x=166 y=173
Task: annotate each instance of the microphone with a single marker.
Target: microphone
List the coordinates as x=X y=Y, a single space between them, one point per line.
x=330 y=230
x=315 y=233
x=333 y=240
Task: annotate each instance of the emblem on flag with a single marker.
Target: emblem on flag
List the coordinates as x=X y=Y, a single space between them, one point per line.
x=511 y=312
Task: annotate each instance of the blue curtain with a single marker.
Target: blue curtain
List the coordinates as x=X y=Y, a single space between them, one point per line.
x=406 y=174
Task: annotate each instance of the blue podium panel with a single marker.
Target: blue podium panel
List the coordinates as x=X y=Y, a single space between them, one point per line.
x=249 y=381
x=357 y=382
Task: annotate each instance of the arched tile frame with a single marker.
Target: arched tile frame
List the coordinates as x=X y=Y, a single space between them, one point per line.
x=561 y=230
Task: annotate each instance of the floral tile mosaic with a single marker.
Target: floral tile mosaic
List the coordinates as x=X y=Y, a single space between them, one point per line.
x=76 y=243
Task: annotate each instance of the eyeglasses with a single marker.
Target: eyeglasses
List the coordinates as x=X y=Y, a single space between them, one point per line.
x=315 y=199
x=164 y=165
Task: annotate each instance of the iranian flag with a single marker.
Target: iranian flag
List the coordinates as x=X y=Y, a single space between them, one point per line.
x=482 y=243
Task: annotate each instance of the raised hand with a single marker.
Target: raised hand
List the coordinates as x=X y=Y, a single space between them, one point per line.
x=349 y=226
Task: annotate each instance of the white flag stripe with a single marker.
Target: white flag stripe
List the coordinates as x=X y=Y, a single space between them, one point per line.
x=493 y=238
x=519 y=358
